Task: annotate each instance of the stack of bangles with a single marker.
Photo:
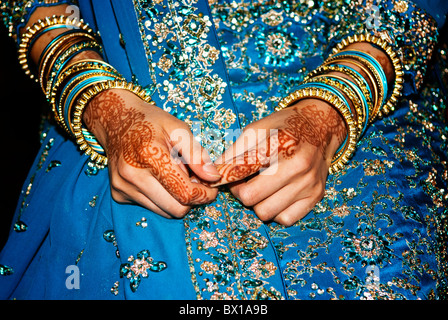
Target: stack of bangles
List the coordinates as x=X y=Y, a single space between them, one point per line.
x=69 y=86
x=358 y=99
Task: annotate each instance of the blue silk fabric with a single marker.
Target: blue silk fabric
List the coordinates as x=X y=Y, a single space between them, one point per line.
x=379 y=232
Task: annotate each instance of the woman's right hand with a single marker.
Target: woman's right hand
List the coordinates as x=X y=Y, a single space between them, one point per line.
x=150 y=154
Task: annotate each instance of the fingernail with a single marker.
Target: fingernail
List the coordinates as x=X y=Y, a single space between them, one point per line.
x=194 y=180
x=211 y=170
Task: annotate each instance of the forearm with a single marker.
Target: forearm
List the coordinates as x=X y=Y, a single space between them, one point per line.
x=39 y=45
x=63 y=54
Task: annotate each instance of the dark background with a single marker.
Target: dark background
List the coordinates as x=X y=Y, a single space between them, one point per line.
x=21 y=105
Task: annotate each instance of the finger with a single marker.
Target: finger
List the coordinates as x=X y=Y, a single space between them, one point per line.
x=255 y=150
x=296 y=211
x=249 y=139
x=243 y=166
x=261 y=186
x=180 y=186
x=139 y=186
x=273 y=205
x=292 y=174
x=124 y=192
x=142 y=200
x=192 y=154
x=155 y=197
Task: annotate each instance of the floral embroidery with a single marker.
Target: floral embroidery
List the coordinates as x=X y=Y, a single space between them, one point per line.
x=187 y=75
x=369 y=248
x=6 y=270
x=225 y=245
x=137 y=268
x=278 y=48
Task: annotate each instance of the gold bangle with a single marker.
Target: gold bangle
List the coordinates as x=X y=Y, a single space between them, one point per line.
x=342 y=157
x=32 y=32
x=46 y=76
x=66 y=122
x=370 y=71
x=85 y=98
x=70 y=71
x=360 y=81
x=60 y=60
x=64 y=42
x=392 y=100
x=373 y=75
x=363 y=118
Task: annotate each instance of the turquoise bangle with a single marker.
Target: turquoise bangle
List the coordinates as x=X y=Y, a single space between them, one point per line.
x=74 y=79
x=58 y=26
x=374 y=63
x=329 y=88
x=55 y=39
x=360 y=95
x=91 y=140
x=76 y=90
x=359 y=75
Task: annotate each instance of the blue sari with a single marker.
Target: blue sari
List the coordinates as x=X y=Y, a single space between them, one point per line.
x=380 y=232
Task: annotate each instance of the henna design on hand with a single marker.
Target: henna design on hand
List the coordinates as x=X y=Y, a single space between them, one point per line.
x=132 y=137
x=310 y=124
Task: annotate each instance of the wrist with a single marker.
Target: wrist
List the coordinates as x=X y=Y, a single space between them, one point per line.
x=335 y=128
x=93 y=119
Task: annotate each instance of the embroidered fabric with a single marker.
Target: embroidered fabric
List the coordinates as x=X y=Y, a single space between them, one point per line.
x=379 y=233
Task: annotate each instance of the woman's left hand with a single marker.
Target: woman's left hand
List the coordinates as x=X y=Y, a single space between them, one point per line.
x=279 y=164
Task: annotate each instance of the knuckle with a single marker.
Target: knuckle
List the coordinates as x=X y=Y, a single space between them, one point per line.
x=179 y=211
x=126 y=172
x=304 y=165
x=118 y=195
x=263 y=212
x=320 y=192
x=116 y=185
x=287 y=220
x=247 y=196
x=186 y=198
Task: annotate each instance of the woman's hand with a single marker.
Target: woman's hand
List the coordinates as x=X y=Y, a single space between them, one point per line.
x=280 y=163
x=150 y=154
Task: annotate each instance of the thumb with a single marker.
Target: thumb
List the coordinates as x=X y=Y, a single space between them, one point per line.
x=193 y=155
